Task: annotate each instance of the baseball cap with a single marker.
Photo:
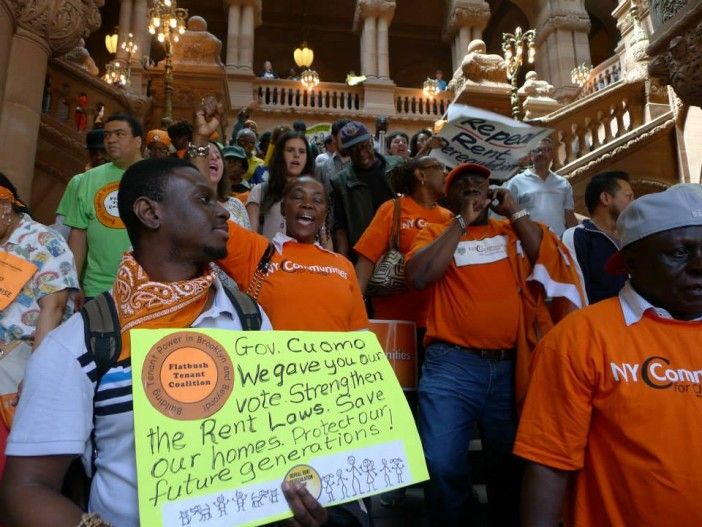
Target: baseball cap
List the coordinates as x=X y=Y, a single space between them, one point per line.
x=654 y=213
x=465 y=167
x=236 y=152
x=158 y=136
x=353 y=133
x=95 y=139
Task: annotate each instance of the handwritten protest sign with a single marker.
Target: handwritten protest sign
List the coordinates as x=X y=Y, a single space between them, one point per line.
x=473 y=135
x=221 y=418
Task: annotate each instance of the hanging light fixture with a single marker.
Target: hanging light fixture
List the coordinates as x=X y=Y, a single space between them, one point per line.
x=431 y=87
x=580 y=74
x=309 y=79
x=111 y=42
x=303 y=56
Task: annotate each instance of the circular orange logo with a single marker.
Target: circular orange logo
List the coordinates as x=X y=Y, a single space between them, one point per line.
x=306 y=475
x=106 y=210
x=187 y=375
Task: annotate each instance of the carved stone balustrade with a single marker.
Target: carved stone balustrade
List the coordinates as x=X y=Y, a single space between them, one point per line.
x=60 y=150
x=596 y=120
x=412 y=103
x=601 y=76
x=327 y=98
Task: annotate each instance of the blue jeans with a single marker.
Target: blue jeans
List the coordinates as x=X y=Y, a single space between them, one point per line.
x=458 y=390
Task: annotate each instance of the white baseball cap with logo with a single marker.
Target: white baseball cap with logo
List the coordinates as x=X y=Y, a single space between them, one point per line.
x=676 y=207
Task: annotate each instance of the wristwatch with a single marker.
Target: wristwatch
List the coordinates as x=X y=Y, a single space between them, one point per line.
x=519 y=214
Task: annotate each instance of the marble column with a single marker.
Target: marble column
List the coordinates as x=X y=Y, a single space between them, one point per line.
x=244 y=17
x=561 y=45
x=19 y=123
x=246 y=39
x=369 y=52
x=7 y=30
x=233 y=34
x=125 y=27
x=45 y=28
x=465 y=21
x=372 y=19
x=142 y=38
x=383 y=22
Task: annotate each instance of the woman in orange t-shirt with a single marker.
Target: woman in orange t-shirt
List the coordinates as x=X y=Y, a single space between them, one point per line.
x=422 y=181
x=299 y=284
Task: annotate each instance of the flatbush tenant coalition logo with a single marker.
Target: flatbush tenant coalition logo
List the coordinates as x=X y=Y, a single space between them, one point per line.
x=187 y=376
x=660 y=374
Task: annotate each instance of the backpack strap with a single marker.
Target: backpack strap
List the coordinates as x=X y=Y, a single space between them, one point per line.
x=103 y=341
x=102 y=332
x=246 y=307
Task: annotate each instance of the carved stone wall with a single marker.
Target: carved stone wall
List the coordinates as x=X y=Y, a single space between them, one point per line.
x=676 y=47
x=59 y=23
x=43 y=28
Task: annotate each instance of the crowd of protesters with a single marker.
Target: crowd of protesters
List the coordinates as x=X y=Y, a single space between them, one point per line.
x=587 y=414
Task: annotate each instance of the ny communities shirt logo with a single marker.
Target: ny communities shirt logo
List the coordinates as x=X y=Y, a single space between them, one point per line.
x=656 y=372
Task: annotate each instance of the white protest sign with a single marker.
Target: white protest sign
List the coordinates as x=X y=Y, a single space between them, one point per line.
x=473 y=135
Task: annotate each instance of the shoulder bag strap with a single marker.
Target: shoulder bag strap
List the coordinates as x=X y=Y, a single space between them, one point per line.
x=394 y=242
x=254 y=287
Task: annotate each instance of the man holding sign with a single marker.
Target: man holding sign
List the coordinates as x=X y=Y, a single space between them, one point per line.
x=176 y=228
x=489 y=279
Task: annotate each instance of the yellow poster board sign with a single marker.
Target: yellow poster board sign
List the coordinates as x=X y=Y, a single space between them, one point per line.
x=222 y=417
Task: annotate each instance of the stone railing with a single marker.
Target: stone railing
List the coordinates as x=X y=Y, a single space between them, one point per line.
x=601 y=76
x=68 y=83
x=61 y=145
x=327 y=97
x=595 y=121
x=411 y=102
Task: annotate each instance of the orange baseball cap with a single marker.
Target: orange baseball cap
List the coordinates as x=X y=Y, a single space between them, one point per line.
x=466 y=167
x=158 y=136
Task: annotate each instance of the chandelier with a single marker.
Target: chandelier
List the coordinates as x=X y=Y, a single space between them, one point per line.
x=431 y=88
x=166 y=18
x=580 y=74
x=309 y=79
x=303 y=56
x=111 y=42
x=117 y=74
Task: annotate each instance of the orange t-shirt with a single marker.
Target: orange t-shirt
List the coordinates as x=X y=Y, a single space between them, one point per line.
x=306 y=288
x=476 y=303
x=412 y=304
x=623 y=407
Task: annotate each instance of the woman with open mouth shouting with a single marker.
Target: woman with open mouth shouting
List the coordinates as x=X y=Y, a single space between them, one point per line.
x=300 y=284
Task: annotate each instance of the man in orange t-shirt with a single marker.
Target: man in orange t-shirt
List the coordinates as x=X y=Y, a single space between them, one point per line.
x=488 y=279
x=612 y=418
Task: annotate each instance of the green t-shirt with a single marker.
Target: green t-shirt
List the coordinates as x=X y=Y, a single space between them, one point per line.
x=69 y=196
x=95 y=210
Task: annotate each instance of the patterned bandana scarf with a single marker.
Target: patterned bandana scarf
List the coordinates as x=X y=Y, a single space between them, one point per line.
x=144 y=304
